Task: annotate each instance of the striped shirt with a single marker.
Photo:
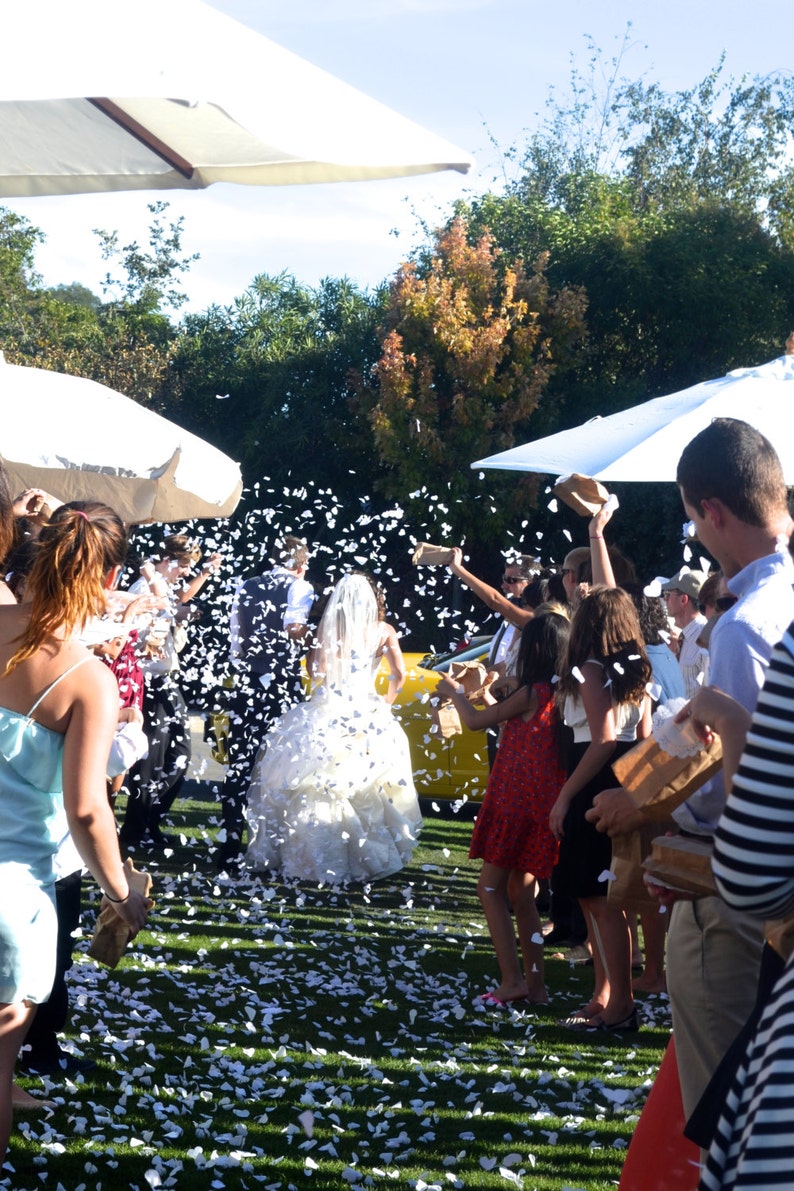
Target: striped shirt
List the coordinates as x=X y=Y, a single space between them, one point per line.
x=754 y=869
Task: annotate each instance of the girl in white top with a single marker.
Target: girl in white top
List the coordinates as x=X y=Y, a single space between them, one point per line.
x=602 y=691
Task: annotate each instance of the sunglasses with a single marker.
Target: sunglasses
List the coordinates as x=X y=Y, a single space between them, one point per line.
x=723 y=603
x=512 y=579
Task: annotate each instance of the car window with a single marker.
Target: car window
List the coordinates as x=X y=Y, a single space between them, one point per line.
x=440 y=662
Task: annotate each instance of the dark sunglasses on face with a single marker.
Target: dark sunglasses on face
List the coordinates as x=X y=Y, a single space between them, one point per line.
x=512 y=579
x=723 y=603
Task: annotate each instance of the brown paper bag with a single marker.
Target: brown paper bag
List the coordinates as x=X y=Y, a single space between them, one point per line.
x=426 y=555
x=628 y=891
x=682 y=863
x=657 y=782
x=472 y=676
x=582 y=494
x=111 y=934
x=445 y=717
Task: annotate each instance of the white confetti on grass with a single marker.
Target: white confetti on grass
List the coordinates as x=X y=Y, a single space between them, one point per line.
x=251 y=1008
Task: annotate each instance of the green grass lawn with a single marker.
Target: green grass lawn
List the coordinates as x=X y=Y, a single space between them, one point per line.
x=262 y=1035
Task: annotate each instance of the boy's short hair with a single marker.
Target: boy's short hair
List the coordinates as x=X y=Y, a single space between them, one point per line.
x=733 y=462
x=292 y=553
x=184 y=550
x=526 y=564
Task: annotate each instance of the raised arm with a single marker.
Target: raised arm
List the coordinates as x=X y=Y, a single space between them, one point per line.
x=197 y=582
x=599 y=555
x=494 y=599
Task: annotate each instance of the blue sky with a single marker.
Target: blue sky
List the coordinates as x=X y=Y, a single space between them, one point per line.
x=474 y=71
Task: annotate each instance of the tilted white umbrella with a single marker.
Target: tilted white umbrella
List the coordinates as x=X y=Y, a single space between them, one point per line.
x=102 y=95
x=80 y=440
x=646 y=441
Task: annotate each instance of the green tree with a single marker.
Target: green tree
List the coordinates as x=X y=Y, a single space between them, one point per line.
x=126 y=342
x=149 y=278
x=673 y=213
x=470 y=342
x=18 y=241
x=270 y=379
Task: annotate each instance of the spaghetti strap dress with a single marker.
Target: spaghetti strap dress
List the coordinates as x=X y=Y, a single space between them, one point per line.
x=31 y=815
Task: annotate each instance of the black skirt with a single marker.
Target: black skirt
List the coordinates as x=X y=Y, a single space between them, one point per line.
x=584 y=852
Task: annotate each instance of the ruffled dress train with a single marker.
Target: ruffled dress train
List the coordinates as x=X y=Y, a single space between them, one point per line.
x=332 y=797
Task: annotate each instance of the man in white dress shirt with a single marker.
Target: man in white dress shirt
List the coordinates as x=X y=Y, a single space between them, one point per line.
x=681 y=595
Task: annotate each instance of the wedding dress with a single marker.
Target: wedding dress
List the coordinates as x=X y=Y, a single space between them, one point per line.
x=332 y=797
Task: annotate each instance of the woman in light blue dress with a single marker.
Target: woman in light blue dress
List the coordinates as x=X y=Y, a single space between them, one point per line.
x=58 y=712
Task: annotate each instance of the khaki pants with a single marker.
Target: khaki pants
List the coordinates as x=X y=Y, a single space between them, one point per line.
x=713 y=960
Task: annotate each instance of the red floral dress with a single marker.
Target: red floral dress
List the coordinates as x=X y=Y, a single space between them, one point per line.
x=512 y=828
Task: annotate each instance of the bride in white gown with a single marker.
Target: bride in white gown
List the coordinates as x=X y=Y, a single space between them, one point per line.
x=332 y=797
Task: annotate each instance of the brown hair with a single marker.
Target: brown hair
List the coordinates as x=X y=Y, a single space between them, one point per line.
x=733 y=462
x=181 y=548
x=580 y=560
x=605 y=629
x=525 y=564
x=378 y=592
x=292 y=553
x=82 y=542
x=710 y=590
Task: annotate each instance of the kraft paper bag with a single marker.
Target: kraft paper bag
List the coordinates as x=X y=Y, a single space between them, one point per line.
x=111 y=934
x=426 y=555
x=628 y=890
x=581 y=493
x=445 y=717
x=472 y=676
x=682 y=863
x=657 y=782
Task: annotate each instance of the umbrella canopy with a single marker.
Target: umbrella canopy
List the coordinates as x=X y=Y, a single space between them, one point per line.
x=83 y=441
x=646 y=441
x=100 y=95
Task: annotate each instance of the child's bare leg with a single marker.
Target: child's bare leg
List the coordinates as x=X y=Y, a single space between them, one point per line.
x=492 y=892
x=521 y=888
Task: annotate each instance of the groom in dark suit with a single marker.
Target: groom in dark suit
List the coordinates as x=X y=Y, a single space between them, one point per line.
x=269 y=624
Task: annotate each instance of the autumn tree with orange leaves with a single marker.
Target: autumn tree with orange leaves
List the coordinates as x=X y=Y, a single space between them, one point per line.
x=470 y=342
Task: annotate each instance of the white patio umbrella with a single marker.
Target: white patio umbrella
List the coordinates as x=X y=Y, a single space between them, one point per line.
x=80 y=440
x=646 y=441
x=102 y=95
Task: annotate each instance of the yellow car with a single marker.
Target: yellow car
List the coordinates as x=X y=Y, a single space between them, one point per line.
x=451 y=768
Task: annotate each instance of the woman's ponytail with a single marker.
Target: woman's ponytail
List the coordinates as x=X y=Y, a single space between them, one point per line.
x=75 y=551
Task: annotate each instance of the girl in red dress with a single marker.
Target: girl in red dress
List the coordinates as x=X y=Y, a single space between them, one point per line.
x=512 y=834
